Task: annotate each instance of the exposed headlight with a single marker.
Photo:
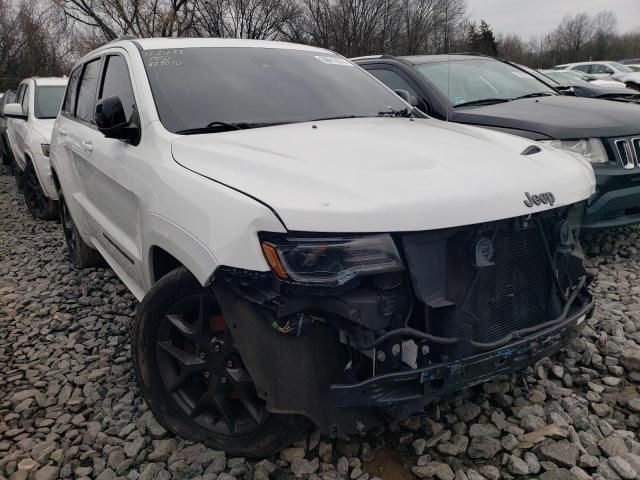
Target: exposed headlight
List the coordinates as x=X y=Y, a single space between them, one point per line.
x=45 y=149
x=590 y=148
x=331 y=260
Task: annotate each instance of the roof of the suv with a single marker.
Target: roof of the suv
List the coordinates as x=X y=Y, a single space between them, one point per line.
x=168 y=43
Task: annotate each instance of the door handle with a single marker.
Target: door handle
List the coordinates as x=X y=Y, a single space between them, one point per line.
x=62 y=131
x=87 y=145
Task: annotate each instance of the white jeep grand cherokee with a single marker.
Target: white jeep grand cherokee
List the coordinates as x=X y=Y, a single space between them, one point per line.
x=29 y=123
x=304 y=247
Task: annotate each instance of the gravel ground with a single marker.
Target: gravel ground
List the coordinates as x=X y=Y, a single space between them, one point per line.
x=70 y=408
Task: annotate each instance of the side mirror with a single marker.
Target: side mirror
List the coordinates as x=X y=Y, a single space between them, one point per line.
x=111 y=119
x=14 y=110
x=407 y=97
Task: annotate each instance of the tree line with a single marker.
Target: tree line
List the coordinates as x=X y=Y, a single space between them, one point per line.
x=45 y=37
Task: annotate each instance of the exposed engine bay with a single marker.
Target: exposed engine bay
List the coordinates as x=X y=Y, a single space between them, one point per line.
x=465 y=305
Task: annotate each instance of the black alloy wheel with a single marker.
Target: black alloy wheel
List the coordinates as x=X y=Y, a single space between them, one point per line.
x=193 y=376
x=203 y=371
x=37 y=202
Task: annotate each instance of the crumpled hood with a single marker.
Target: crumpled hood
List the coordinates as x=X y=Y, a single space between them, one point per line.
x=385 y=174
x=557 y=116
x=44 y=127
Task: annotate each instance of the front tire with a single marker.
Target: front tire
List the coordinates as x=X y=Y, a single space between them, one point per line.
x=40 y=206
x=194 y=379
x=80 y=254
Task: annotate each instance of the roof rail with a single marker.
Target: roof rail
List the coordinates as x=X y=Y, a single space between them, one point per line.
x=122 y=37
x=372 y=57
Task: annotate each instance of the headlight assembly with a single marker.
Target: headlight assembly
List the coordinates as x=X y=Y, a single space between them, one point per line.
x=590 y=148
x=330 y=260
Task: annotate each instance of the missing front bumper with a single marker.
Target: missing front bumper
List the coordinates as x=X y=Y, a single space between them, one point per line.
x=444 y=378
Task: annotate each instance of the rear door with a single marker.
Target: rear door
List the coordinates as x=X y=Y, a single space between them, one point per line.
x=64 y=139
x=75 y=130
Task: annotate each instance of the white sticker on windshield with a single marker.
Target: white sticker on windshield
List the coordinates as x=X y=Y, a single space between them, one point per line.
x=334 y=61
x=520 y=74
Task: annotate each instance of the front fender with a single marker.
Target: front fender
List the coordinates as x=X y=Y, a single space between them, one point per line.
x=188 y=250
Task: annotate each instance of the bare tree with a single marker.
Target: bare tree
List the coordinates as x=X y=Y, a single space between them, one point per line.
x=145 y=18
x=34 y=40
x=574 y=32
x=257 y=19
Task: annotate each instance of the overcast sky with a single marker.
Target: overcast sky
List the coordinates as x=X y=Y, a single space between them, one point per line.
x=535 y=17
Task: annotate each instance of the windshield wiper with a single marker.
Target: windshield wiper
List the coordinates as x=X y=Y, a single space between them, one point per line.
x=218 y=126
x=405 y=112
x=337 y=117
x=213 y=127
x=482 y=101
x=534 y=95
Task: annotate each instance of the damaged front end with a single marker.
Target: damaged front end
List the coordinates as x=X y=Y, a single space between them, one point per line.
x=352 y=330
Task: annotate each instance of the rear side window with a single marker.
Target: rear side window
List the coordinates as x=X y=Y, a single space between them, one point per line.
x=70 y=99
x=87 y=91
x=118 y=83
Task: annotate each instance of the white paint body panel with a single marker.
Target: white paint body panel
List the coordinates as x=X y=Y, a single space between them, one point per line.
x=204 y=198
x=385 y=174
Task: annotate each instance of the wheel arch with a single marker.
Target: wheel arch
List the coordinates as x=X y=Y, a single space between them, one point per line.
x=169 y=247
x=56 y=180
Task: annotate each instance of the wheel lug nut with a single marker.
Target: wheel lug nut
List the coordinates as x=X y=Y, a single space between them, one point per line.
x=229 y=364
x=202 y=355
x=223 y=379
x=216 y=348
x=207 y=374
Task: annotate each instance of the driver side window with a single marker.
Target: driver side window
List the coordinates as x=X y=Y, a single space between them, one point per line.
x=116 y=82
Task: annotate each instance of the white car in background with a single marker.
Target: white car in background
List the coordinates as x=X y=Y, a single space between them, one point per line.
x=29 y=125
x=606 y=71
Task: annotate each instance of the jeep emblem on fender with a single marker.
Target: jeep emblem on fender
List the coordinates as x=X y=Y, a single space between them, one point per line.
x=541 y=198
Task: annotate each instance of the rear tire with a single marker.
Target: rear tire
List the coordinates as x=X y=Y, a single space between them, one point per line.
x=40 y=206
x=79 y=253
x=192 y=377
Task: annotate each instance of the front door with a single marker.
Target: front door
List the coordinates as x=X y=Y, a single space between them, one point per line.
x=107 y=167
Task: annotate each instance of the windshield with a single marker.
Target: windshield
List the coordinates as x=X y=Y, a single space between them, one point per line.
x=224 y=86
x=565 y=78
x=620 y=67
x=48 y=100
x=465 y=81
